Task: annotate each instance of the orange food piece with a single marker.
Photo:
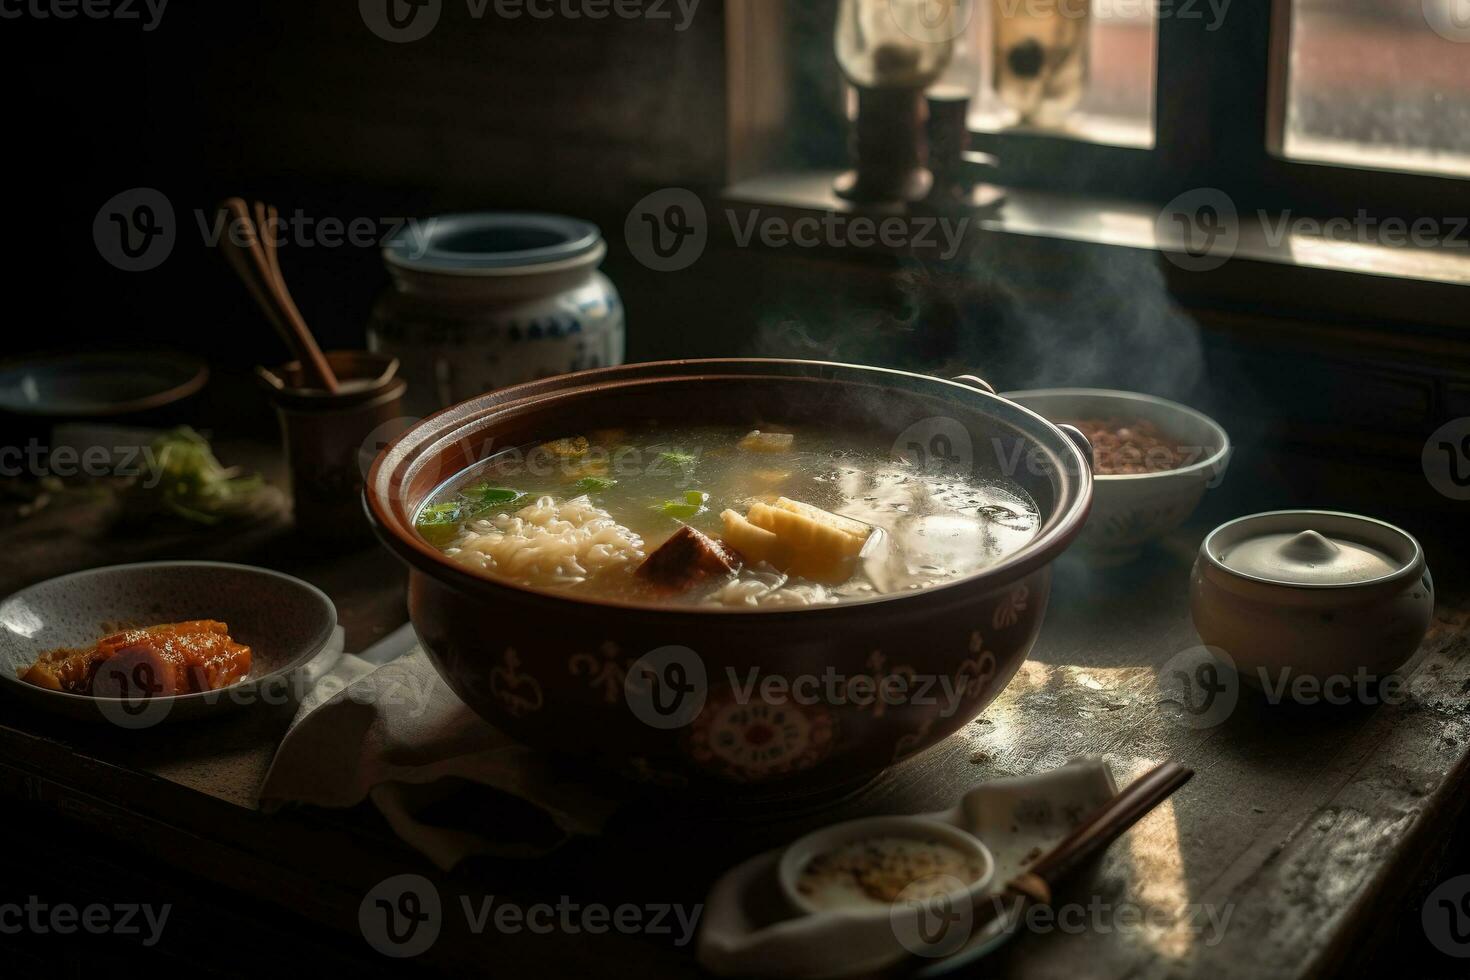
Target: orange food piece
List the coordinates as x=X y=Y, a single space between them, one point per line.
x=174 y=658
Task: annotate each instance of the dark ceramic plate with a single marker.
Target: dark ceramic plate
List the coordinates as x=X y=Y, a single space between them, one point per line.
x=284 y=621
x=98 y=384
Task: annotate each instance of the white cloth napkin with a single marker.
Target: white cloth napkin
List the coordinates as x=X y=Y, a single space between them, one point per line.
x=384 y=726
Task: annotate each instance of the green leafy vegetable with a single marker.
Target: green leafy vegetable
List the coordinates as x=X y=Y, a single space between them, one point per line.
x=439 y=514
x=439 y=523
x=192 y=483
x=484 y=497
x=690 y=507
x=683 y=461
x=592 y=484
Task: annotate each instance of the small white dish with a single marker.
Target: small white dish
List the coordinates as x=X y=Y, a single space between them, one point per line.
x=1131 y=510
x=798 y=855
x=875 y=933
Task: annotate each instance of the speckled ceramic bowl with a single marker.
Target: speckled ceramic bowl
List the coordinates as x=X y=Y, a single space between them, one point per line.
x=283 y=620
x=554 y=670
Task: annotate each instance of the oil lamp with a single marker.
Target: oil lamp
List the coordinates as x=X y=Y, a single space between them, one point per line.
x=891 y=51
x=948 y=103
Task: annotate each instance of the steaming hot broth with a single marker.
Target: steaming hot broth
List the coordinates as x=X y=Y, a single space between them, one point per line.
x=724 y=516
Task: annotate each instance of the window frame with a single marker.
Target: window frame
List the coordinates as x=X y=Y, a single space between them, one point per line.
x=1233 y=143
x=799 y=99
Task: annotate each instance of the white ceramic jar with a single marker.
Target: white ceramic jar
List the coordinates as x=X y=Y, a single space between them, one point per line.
x=1311 y=593
x=481 y=301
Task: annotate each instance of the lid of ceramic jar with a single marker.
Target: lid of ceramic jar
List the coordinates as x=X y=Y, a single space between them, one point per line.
x=1312 y=548
x=492 y=243
x=1308 y=558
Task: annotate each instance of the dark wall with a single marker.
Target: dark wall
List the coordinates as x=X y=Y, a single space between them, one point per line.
x=299 y=102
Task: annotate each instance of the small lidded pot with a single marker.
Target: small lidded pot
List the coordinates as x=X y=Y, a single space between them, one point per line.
x=1311 y=593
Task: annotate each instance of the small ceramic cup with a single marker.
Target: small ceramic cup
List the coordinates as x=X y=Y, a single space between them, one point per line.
x=1311 y=593
x=328 y=435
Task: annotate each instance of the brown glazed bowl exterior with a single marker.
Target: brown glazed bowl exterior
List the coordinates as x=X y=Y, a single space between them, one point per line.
x=766 y=703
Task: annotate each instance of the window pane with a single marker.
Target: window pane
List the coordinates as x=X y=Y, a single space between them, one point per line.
x=1380 y=83
x=1117 y=95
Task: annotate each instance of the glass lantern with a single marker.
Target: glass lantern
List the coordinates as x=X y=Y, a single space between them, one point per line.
x=891 y=51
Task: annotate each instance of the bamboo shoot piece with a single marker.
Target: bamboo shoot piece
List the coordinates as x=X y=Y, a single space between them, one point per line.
x=767 y=442
x=799 y=539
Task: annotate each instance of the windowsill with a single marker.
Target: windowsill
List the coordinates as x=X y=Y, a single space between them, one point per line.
x=1125 y=224
x=1361 y=156
x=1132 y=134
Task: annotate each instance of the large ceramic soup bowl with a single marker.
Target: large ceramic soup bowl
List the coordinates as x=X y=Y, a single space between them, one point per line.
x=748 y=701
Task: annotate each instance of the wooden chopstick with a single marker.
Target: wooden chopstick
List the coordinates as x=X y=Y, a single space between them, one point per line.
x=260 y=270
x=1109 y=821
x=267 y=218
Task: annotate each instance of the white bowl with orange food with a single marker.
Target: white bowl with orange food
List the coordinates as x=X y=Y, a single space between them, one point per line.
x=140 y=645
x=1153 y=460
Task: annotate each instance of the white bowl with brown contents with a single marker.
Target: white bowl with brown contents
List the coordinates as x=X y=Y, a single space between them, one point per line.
x=885 y=877
x=1153 y=460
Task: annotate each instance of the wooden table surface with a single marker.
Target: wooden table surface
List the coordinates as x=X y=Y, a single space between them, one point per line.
x=1301 y=826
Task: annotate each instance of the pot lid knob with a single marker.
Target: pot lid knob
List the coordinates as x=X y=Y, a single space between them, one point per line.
x=1309 y=547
